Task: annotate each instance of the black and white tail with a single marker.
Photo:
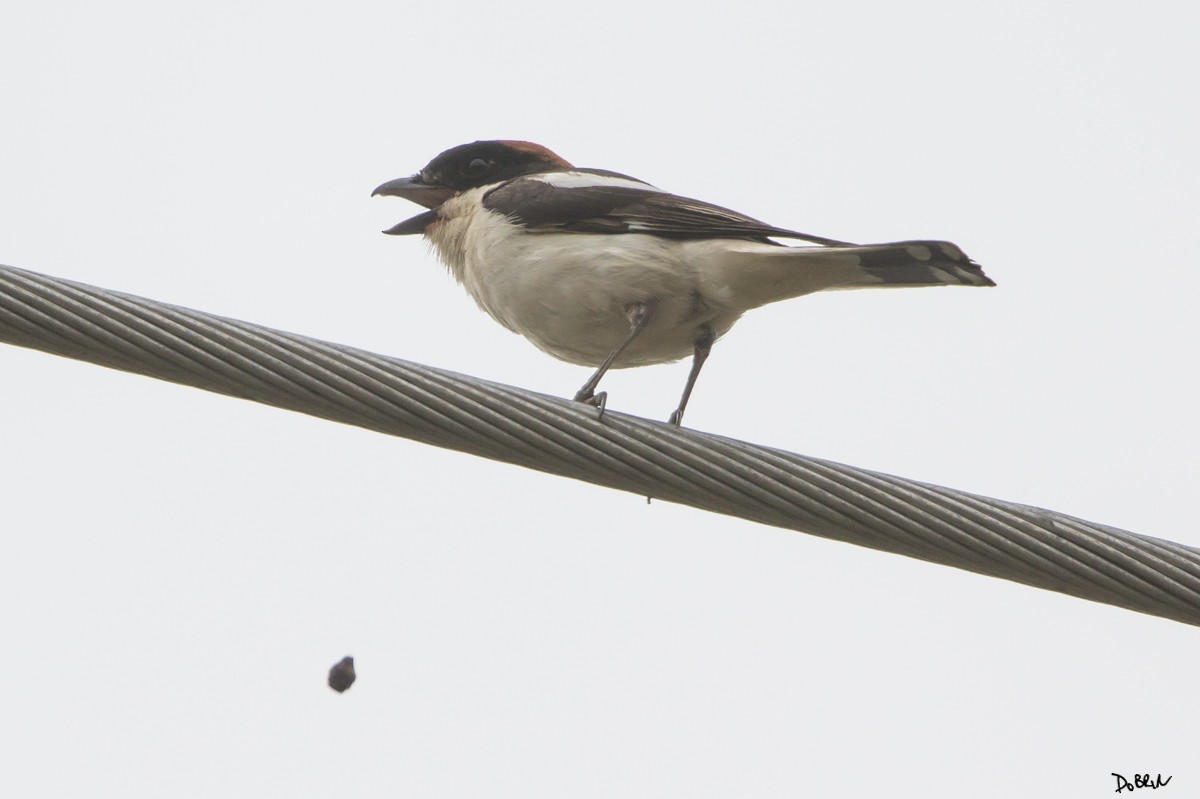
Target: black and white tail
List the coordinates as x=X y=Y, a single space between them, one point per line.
x=918 y=263
x=756 y=274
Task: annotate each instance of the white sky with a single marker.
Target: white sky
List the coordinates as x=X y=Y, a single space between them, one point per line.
x=178 y=570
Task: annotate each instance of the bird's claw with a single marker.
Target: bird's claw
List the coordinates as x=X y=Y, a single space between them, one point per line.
x=593 y=399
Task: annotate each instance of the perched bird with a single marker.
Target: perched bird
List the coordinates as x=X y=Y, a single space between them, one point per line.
x=604 y=270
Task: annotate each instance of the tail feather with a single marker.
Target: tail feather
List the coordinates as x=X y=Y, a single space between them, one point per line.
x=916 y=263
x=751 y=274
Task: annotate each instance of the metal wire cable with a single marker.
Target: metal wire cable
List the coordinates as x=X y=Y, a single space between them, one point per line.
x=988 y=536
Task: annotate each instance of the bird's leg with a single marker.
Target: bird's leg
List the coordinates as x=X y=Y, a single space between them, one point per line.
x=638 y=314
x=703 y=347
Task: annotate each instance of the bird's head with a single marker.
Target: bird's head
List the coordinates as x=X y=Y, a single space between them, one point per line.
x=467 y=166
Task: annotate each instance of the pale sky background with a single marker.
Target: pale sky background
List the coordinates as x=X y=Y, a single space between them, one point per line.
x=178 y=570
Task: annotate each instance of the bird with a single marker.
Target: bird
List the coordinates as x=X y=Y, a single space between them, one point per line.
x=604 y=270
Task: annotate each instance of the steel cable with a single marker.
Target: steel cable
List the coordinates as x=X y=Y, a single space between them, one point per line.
x=988 y=536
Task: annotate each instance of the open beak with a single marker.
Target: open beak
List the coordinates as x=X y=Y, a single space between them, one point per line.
x=413 y=189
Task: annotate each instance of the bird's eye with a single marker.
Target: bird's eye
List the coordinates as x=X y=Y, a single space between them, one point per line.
x=477 y=167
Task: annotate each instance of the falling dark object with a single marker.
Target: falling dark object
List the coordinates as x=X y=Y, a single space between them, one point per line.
x=341 y=676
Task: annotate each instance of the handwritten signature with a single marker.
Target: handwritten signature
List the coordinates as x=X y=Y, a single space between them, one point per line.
x=1139 y=781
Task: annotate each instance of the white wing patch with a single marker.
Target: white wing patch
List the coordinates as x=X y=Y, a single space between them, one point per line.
x=579 y=180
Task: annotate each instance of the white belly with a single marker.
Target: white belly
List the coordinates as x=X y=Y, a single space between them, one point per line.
x=568 y=292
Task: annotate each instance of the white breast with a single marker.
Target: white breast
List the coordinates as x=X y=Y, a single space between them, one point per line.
x=567 y=292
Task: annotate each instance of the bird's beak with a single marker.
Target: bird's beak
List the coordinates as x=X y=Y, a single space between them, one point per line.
x=414 y=189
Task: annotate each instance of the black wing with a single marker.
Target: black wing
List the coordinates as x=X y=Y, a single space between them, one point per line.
x=596 y=201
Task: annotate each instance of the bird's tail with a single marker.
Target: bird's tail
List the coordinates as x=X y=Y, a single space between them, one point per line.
x=756 y=273
x=913 y=263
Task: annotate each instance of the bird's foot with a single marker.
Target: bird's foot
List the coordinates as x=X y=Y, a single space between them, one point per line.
x=676 y=418
x=588 y=397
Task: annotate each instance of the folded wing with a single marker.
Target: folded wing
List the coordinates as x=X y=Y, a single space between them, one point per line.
x=596 y=201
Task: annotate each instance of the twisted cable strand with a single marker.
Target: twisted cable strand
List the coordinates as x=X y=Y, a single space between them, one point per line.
x=333 y=381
